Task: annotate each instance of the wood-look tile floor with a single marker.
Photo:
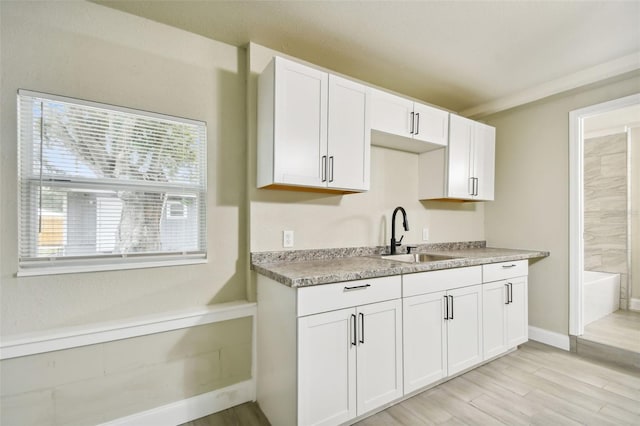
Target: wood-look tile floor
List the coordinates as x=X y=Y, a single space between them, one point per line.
x=247 y=414
x=620 y=329
x=535 y=385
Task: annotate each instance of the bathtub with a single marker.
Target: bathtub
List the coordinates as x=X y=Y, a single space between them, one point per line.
x=601 y=294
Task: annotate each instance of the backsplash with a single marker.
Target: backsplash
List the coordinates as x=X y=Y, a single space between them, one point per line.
x=333 y=253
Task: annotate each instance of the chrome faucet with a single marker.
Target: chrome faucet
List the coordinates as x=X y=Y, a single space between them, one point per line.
x=405 y=224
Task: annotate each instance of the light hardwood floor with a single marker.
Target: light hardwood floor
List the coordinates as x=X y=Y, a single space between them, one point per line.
x=535 y=385
x=614 y=338
x=620 y=329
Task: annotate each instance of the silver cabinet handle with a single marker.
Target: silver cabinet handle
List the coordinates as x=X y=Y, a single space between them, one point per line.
x=417 y=123
x=354 y=341
x=446 y=307
x=331 y=169
x=477 y=185
x=361 y=340
x=509 y=266
x=324 y=168
x=413 y=116
x=507 y=294
x=510 y=292
x=357 y=287
x=471 y=185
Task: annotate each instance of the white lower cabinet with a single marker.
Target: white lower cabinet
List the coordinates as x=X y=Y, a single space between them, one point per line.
x=505 y=307
x=464 y=328
x=442 y=329
x=425 y=340
x=442 y=335
x=326 y=368
x=328 y=354
x=346 y=342
x=349 y=362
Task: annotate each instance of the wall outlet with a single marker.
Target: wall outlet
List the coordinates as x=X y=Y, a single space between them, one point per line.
x=425 y=234
x=287 y=239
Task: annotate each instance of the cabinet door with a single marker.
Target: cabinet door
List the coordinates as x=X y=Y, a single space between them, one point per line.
x=517 y=313
x=379 y=355
x=464 y=330
x=424 y=340
x=300 y=129
x=459 y=164
x=494 y=322
x=349 y=135
x=484 y=160
x=431 y=124
x=327 y=368
x=391 y=114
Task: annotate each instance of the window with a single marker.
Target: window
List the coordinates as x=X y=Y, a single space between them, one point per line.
x=105 y=187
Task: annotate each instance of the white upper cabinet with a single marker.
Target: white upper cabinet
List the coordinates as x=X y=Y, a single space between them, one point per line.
x=313 y=129
x=484 y=160
x=349 y=141
x=465 y=169
x=402 y=124
x=431 y=124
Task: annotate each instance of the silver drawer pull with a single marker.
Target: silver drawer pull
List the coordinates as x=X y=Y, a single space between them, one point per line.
x=357 y=287
x=509 y=266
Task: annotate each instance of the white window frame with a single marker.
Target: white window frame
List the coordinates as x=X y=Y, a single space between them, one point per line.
x=35 y=265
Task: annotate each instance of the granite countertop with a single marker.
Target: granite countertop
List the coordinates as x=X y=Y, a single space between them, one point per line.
x=313 y=267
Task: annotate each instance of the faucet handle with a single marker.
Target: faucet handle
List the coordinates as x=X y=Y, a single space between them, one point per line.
x=409 y=248
x=399 y=242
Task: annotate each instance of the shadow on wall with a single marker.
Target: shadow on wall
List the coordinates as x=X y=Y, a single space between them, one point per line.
x=230 y=179
x=451 y=205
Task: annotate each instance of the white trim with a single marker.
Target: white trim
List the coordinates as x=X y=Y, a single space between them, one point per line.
x=102 y=105
x=576 y=226
x=73 y=337
x=591 y=75
x=192 y=408
x=634 y=304
x=550 y=338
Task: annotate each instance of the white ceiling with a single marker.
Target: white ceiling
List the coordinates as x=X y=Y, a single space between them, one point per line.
x=476 y=57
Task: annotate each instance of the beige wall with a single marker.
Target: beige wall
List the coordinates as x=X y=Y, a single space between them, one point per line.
x=87 y=51
x=532 y=191
x=98 y=383
x=326 y=221
x=83 y=50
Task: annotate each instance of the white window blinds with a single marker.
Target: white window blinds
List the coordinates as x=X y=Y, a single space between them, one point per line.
x=105 y=187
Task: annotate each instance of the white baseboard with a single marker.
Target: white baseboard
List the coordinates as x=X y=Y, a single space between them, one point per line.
x=634 y=304
x=191 y=408
x=550 y=338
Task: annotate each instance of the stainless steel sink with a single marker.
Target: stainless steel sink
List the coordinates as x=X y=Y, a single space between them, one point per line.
x=418 y=257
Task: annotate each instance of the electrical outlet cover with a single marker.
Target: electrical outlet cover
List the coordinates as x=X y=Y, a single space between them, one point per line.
x=287 y=239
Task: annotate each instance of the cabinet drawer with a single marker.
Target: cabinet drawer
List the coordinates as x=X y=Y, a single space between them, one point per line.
x=329 y=297
x=504 y=270
x=429 y=282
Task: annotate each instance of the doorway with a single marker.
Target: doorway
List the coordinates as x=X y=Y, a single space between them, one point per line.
x=604 y=181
